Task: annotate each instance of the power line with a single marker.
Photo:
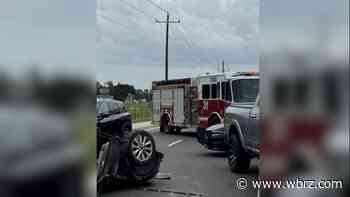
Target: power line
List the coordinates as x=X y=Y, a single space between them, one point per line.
x=112 y=20
x=157 y=6
x=188 y=40
x=137 y=9
x=166 y=41
x=188 y=43
x=115 y=22
x=143 y=12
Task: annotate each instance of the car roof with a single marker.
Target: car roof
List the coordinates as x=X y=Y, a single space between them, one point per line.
x=101 y=100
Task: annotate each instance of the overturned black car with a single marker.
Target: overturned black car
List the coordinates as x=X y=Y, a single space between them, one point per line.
x=123 y=154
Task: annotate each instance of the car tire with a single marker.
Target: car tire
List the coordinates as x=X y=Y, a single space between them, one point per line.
x=142 y=147
x=200 y=135
x=142 y=170
x=237 y=159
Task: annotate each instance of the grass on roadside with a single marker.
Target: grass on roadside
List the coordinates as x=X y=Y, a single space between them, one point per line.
x=140 y=112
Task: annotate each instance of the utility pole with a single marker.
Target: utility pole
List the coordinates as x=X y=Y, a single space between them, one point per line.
x=223 y=66
x=166 y=41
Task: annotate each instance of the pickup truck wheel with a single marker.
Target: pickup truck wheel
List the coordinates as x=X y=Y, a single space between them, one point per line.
x=213 y=121
x=237 y=159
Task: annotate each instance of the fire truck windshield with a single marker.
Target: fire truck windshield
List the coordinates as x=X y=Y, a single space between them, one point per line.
x=245 y=90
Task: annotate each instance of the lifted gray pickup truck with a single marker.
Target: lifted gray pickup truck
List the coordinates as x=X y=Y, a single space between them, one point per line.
x=242 y=134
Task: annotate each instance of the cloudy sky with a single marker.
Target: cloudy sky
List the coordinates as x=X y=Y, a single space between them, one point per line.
x=130 y=45
x=57 y=35
x=121 y=37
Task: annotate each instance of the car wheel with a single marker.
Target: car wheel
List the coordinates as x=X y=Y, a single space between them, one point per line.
x=237 y=159
x=141 y=147
x=145 y=167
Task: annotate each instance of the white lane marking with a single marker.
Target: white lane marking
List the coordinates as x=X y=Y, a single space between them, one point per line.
x=174 y=143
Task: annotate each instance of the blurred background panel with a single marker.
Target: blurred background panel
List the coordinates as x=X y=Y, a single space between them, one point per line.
x=304 y=65
x=47 y=98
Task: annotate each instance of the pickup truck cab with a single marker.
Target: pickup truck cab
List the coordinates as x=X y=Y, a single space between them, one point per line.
x=242 y=134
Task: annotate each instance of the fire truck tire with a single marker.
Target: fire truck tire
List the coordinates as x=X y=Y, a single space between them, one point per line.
x=214 y=120
x=237 y=159
x=164 y=125
x=177 y=130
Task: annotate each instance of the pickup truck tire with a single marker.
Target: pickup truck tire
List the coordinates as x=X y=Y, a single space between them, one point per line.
x=237 y=158
x=214 y=120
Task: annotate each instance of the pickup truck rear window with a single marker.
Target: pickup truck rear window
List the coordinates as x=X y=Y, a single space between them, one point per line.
x=245 y=90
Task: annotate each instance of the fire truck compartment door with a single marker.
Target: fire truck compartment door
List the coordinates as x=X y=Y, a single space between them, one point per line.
x=156 y=105
x=166 y=97
x=179 y=116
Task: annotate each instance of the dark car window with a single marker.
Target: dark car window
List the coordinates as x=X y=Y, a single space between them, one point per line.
x=245 y=90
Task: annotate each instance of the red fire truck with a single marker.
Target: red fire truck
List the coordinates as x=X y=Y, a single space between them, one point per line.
x=215 y=92
x=174 y=104
x=195 y=102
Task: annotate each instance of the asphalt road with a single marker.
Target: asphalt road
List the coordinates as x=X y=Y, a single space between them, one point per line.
x=193 y=169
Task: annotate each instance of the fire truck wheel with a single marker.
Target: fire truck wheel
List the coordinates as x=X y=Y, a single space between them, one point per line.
x=237 y=159
x=164 y=125
x=177 y=130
